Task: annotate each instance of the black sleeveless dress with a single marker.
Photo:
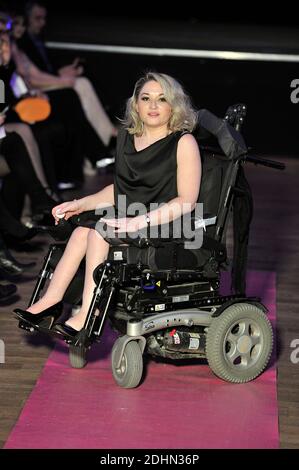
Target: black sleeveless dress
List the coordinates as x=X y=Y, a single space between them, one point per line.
x=147 y=176
x=144 y=177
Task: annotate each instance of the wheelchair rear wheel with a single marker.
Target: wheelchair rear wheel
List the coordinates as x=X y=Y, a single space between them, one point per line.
x=129 y=374
x=77 y=356
x=239 y=343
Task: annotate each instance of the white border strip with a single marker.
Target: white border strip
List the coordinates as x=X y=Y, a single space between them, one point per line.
x=200 y=54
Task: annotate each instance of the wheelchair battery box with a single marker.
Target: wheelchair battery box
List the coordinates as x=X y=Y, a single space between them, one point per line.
x=160 y=297
x=169 y=256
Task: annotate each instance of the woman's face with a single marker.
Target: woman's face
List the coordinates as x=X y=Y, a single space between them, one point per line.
x=152 y=106
x=5 y=52
x=18 y=27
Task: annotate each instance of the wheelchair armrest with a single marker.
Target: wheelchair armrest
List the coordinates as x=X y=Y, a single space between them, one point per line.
x=205 y=222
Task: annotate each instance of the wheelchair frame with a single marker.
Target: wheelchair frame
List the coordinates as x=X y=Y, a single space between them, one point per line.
x=171 y=302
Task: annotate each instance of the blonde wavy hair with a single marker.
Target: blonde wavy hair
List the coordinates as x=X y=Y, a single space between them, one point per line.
x=183 y=116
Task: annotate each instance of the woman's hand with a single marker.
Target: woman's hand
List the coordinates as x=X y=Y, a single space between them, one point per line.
x=67 y=81
x=72 y=70
x=68 y=209
x=126 y=225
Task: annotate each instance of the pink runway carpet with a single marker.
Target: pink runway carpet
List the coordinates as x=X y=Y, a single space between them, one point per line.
x=175 y=407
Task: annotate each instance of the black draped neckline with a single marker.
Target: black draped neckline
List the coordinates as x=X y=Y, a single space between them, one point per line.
x=132 y=148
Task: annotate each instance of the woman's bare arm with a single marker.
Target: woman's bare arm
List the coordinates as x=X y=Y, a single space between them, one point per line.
x=103 y=198
x=36 y=78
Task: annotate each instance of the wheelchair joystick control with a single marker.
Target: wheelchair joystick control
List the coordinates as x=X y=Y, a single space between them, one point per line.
x=59 y=214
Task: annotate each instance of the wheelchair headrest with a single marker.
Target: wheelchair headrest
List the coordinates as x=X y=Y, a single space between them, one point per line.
x=229 y=139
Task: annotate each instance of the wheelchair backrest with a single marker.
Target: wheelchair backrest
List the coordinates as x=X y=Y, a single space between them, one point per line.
x=220 y=167
x=214 y=185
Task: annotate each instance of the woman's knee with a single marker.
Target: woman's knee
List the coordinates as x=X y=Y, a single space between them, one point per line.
x=95 y=237
x=80 y=234
x=83 y=81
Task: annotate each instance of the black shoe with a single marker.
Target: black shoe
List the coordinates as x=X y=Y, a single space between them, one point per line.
x=70 y=185
x=53 y=195
x=66 y=330
x=6 y=290
x=10 y=268
x=60 y=232
x=43 y=219
x=12 y=240
x=45 y=318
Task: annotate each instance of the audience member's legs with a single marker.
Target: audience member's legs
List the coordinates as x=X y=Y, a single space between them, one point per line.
x=94 y=110
x=19 y=162
x=27 y=136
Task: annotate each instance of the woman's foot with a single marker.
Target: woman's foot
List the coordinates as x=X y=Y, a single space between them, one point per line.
x=77 y=321
x=45 y=317
x=72 y=326
x=41 y=305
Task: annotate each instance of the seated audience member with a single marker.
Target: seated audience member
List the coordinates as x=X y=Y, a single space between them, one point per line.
x=60 y=136
x=31 y=42
x=21 y=180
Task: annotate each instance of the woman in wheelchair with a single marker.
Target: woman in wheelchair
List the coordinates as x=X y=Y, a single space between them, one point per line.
x=157 y=161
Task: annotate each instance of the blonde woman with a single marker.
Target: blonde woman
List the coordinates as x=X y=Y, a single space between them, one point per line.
x=157 y=161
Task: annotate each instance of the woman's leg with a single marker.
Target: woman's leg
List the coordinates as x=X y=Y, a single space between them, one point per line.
x=27 y=136
x=94 y=110
x=65 y=270
x=97 y=251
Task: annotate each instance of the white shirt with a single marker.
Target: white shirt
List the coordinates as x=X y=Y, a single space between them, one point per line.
x=2 y=132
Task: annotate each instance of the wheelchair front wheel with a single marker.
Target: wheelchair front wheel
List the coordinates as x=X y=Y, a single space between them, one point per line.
x=239 y=343
x=129 y=374
x=77 y=356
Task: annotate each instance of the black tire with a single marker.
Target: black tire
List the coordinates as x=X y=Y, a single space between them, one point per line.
x=239 y=343
x=130 y=372
x=77 y=356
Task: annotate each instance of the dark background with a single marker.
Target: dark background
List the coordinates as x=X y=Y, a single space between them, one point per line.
x=272 y=119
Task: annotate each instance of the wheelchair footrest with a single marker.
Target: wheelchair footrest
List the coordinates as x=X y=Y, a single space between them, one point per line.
x=26 y=326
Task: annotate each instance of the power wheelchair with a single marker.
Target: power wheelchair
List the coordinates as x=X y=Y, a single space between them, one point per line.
x=163 y=299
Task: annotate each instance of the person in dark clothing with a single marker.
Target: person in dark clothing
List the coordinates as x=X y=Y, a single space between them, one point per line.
x=25 y=179
x=59 y=137
x=30 y=35
x=157 y=161
x=10 y=268
x=7 y=292
x=62 y=130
